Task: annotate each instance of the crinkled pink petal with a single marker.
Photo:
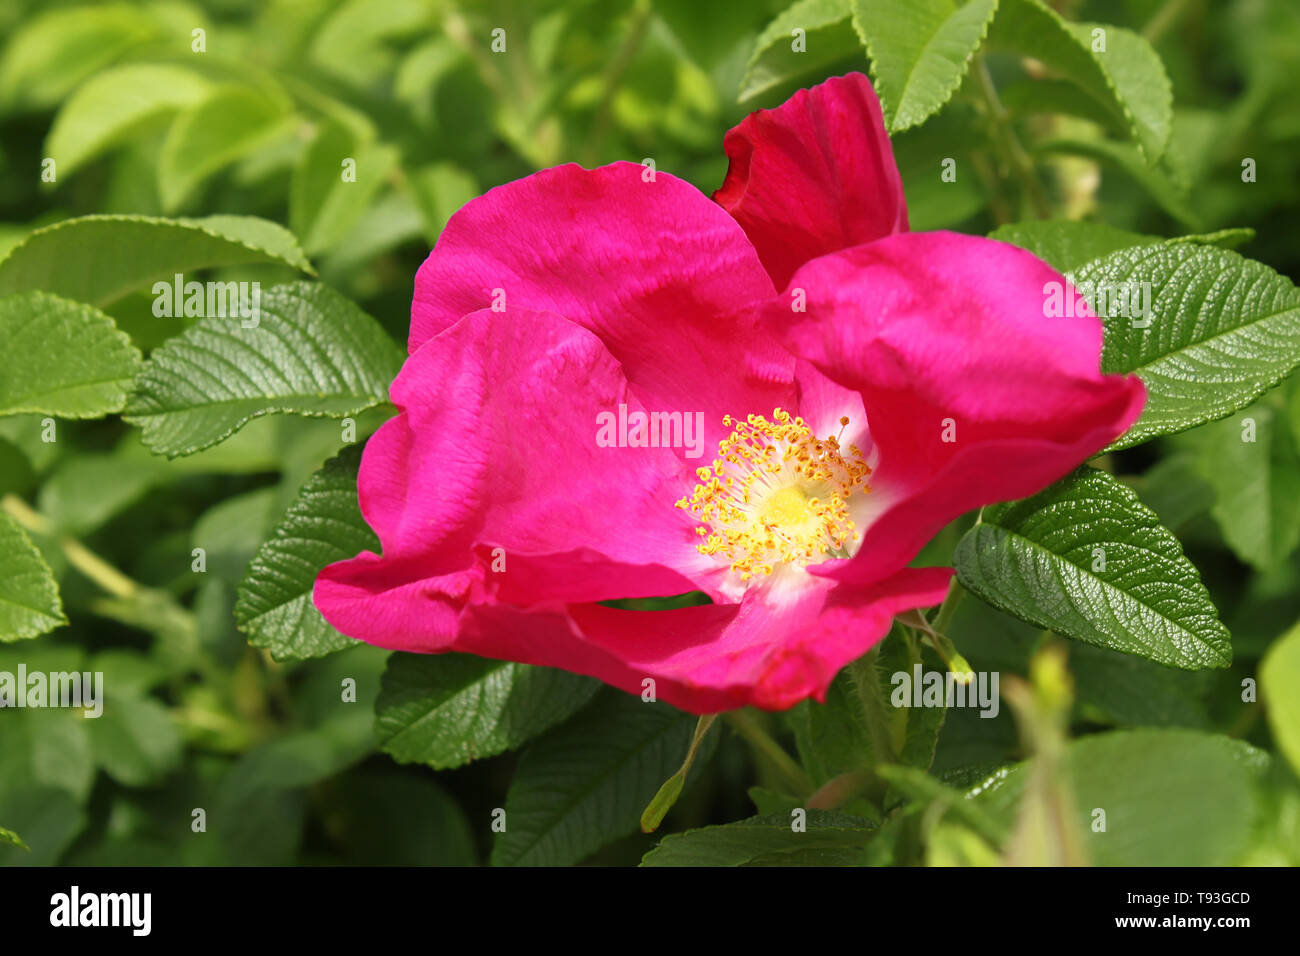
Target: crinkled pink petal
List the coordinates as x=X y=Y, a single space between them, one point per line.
x=496 y=448
x=945 y=337
x=765 y=652
x=664 y=277
x=815 y=175
x=760 y=652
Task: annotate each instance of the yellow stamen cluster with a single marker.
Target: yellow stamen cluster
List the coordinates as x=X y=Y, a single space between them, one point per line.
x=777 y=494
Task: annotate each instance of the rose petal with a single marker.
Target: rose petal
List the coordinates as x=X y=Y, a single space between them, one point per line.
x=815 y=175
x=764 y=653
x=496 y=448
x=945 y=337
x=664 y=277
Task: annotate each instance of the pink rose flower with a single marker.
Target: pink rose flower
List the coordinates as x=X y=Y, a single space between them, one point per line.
x=619 y=388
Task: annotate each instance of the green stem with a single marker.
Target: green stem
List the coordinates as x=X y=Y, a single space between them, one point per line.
x=1006 y=133
x=836 y=792
x=793 y=776
x=667 y=795
x=614 y=75
x=998 y=205
x=866 y=678
x=79 y=556
x=1163 y=19
x=948 y=608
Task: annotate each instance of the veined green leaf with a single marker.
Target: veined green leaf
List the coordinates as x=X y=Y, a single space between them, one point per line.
x=322 y=526
x=1222 y=330
x=29 y=598
x=828 y=839
x=1087 y=559
x=919 y=52
x=63 y=358
x=99 y=259
x=585 y=784
x=448 y=709
x=310 y=352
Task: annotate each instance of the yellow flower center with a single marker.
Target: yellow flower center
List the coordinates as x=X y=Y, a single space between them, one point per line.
x=776 y=495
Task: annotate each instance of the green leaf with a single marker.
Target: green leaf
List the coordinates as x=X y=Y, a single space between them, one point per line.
x=114 y=105
x=323 y=206
x=769 y=802
x=585 y=784
x=1174 y=489
x=1128 y=79
x=919 y=152
x=1087 y=559
x=1123 y=690
x=925 y=790
x=44 y=746
x=919 y=52
x=135 y=741
x=312 y=352
x=99 y=259
x=9 y=838
x=1223 y=330
x=1049 y=95
x=391 y=221
x=62 y=358
x=1170 y=797
x=439 y=190
x=827 y=38
x=1279 y=675
x=1252 y=462
x=337 y=732
x=830 y=839
x=257 y=811
x=446 y=710
x=86 y=490
x=322 y=526
x=1067 y=245
x=128 y=672
x=351 y=40
x=54 y=51
x=834 y=738
x=29 y=598
x=225 y=126
x=231 y=531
